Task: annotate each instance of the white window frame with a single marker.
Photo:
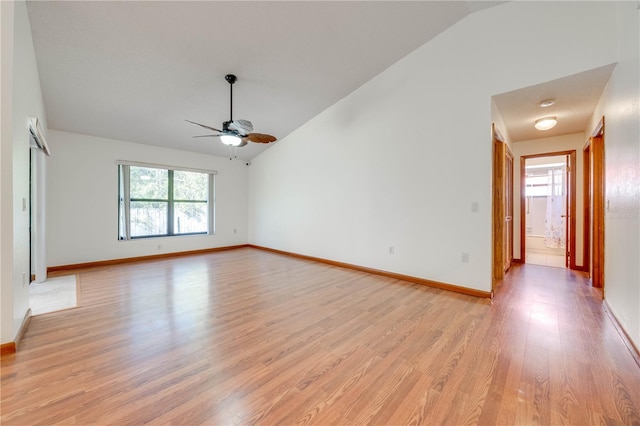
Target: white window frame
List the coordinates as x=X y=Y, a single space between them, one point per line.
x=124 y=199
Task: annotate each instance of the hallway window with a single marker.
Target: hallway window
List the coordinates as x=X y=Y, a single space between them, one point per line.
x=155 y=201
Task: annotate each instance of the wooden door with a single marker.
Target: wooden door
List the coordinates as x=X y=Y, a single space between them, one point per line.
x=570 y=210
x=497 y=216
x=508 y=209
x=587 y=189
x=597 y=220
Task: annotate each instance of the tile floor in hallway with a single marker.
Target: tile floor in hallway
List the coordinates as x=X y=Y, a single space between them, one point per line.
x=557 y=261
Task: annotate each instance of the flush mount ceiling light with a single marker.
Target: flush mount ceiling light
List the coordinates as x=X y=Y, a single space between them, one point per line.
x=547 y=103
x=546 y=123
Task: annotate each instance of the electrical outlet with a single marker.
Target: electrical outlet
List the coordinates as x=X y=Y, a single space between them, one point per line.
x=392 y=250
x=475 y=207
x=465 y=257
x=159 y=246
x=235 y=231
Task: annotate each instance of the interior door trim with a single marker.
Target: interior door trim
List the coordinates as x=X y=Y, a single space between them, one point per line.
x=598 y=202
x=572 y=202
x=586 y=200
x=508 y=207
x=497 y=200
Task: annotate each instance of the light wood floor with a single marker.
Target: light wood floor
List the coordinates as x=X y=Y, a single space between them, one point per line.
x=252 y=337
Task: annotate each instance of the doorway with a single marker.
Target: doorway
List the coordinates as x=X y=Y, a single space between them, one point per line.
x=546 y=211
x=547 y=234
x=502 y=200
x=39 y=150
x=594 y=193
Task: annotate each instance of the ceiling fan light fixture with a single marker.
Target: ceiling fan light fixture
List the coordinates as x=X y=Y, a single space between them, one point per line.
x=231 y=140
x=545 y=123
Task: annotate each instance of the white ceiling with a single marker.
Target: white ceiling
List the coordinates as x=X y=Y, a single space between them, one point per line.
x=135 y=71
x=576 y=97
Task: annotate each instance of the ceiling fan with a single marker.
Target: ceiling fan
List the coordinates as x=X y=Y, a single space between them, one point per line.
x=235 y=132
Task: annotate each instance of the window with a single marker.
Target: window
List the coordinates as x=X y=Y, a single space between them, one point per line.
x=545 y=182
x=156 y=201
x=537 y=185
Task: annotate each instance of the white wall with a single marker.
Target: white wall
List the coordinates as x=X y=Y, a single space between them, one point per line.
x=620 y=105
x=6 y=171
x=82 y=190
x=400 y=160
x=575 y=141
x=25 y=100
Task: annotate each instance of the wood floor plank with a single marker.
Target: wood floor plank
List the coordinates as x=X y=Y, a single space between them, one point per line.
x=253 y=337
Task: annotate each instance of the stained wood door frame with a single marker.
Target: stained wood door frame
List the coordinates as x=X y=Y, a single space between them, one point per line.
x=595 y=201
x=499 y=148
x=508 y=208
x=586 y=200
x=572 y=204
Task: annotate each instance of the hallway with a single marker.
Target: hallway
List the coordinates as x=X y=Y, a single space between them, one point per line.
x=564 y=349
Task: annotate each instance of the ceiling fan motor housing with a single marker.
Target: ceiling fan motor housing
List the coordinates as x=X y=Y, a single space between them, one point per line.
x=242 y=127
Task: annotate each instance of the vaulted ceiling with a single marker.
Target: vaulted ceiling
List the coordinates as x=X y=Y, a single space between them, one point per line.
x=134 y=71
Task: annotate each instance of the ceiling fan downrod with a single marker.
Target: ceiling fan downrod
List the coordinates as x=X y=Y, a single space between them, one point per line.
x=231 y=78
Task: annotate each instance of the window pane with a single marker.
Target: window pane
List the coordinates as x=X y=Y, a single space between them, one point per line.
x=189 y=217
x=537 y=186
x=190 y=185
x=537 y=180
x=148 y=218
x=149 y=183
x=156 y=201
x=537 y=191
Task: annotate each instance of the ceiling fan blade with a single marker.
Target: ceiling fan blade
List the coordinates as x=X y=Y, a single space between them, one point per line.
x=202 y=125
x=207 y=136
x=260 y=138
